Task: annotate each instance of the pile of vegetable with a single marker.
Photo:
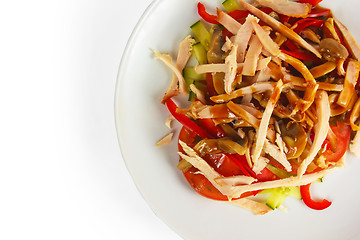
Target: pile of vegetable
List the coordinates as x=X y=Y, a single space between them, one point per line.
x=274 y=101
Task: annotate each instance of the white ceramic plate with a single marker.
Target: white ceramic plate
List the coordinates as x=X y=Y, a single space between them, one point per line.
x=140 y=117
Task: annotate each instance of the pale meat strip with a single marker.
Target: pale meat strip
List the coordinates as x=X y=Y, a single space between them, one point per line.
x=231 y=69
x=228 y=22
x=351 y=77
x=287 y=32
x=266 y=40
x=351 y=42
x=213 y=67
x=289 y=8
x=254 y=88
x=243 y=36
x=257 y=208
x=165 y=140
x=321 y=129
x=261 y=132
x=277 y=154
x=286 y=182
x=252 y=57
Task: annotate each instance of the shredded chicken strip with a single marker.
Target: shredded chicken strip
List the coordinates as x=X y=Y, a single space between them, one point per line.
x=285 y=182
x=288 y=8
x=228 y=22
x=255 y=88
x=252 y=57
x=165 y=140
x=231 y=65
x=321 y=129
x=287 y=32
x=261 y=132
x=351 y=77
x=243 y=36
x=257 y=208
x=351 y=42
x=266 y=40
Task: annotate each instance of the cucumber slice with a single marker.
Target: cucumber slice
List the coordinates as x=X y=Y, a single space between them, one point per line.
x=231 y=5
x=189 y=72
x=202 y=34
x=191 y=77
x=199 y=52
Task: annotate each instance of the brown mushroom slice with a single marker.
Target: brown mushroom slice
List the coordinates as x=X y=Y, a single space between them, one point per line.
x=332 y=50
x=256 y=87
x=288 y=8
x=295 y=138
x=349 y=39
x=278 y=26
x=322 y=69
x=216 y=55
x=351 y=77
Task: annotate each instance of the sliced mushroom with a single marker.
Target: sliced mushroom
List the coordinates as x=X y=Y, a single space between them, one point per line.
x=216 y=55
x=295 y=138
x=332 y=50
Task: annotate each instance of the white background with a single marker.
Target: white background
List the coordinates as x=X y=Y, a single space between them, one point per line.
x=61 y=172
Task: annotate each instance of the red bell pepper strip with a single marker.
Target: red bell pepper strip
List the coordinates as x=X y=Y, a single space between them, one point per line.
x=284 y=18
x=307 y=22
x=291 y=45
x=302 y=56
x=319 y=12
x=238 y=14
x=184 y=120
x=311 y=2
x=209 y=126
x=205 y=15
x=316 y=205
x=236 y=159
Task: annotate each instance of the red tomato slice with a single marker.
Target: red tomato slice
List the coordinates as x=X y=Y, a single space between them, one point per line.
x=342 y=132
x=222 y=164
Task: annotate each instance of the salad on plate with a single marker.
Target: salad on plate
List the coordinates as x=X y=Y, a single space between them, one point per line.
x=273 y=98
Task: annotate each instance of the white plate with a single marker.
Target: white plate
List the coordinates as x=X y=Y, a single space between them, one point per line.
x=140 y=117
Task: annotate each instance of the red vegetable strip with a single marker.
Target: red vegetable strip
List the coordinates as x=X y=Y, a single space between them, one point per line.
x=284 y=18
x=316 y=205
x=238 y=14
x=205 y=15
x=311 y=2
x=266 y=10
x=307 y=22
x=291 y=45
x=184 y=120
x=319 y=13
x=235 y=159
x=209 y=126
x=302 y=56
